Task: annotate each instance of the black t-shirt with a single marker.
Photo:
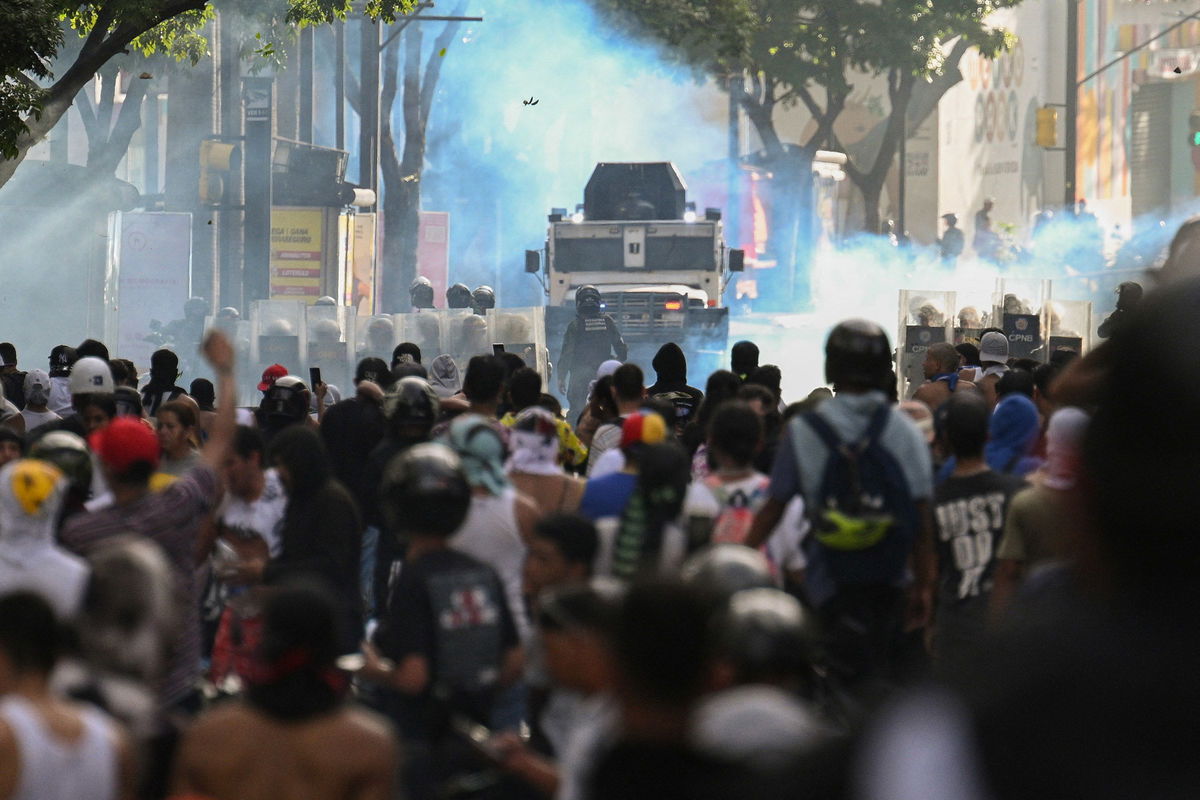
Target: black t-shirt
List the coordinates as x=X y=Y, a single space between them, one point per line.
x=969 y=513
x=450 y=609
x=351 y=429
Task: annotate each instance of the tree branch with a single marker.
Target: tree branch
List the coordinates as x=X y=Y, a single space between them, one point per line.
x=433 y=67
x=128 y=122
x=86 y=113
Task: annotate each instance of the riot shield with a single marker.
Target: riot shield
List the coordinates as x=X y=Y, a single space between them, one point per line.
x=521 y=331
x=329 y=346
x=376 y=336
x=275 y=327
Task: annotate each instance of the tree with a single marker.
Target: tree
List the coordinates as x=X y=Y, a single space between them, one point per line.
x=808 y=52
x=910 y=45
x=30 y=41
x=402 y=161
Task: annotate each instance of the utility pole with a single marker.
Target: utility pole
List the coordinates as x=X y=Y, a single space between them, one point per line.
x=305 y=134
x=733 y=213
x=1072 y=121
x=368 y=136
x=259 y=116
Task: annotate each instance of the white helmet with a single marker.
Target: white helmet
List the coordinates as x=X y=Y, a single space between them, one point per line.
x=91 y=375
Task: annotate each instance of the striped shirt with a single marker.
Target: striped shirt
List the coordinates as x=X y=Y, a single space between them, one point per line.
x=172 y=518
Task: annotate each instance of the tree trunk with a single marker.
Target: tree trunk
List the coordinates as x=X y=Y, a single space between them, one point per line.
x=872 y=192
x=870 y=181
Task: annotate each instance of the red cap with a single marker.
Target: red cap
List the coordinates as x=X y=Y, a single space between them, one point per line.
x=124 y=442
x=643 y=429
x=270 y=375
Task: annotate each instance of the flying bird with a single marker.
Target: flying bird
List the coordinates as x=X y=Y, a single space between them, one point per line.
x=530 y=101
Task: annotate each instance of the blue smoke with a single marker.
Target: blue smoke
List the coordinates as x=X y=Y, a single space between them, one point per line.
x=498 y=165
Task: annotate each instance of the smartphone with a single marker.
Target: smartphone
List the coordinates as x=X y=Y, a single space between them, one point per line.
x=314 y=377
x=497 y=349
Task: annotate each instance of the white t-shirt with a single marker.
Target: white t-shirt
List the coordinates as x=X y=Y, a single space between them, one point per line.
x=732 y=505
x=60 y=395
x=36 y=419
x=262 y=517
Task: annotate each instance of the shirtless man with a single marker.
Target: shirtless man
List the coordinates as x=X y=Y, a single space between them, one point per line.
x=941 y=375
x=51 y=748
x=293 y=736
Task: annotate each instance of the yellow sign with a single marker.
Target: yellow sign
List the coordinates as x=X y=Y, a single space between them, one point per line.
x=361 y=283
x=297 y=253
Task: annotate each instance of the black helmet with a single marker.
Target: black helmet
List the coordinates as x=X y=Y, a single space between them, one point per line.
x=858 y=352
x=195 y=306
x=458 y=296
x=1128 y=295
x=424 y=490
x=484 y=297
x=287 y=399
x=128 y=400
x=765 y=634
x=70 y=454
x=421 y=292
x=724 y=569
x=587 y=298
x=411 y=401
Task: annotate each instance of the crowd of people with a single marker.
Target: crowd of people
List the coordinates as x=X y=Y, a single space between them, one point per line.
x=428 y=591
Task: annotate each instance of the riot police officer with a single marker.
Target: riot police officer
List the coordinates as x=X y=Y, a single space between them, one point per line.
x=420 y=294
x=591 y=339
x=459 y=296
x=483 y=298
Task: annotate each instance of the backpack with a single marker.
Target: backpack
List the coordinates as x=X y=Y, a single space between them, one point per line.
x=863 y=517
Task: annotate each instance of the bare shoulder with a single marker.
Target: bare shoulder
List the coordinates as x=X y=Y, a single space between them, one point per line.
x=366 y=723
x=219 y=722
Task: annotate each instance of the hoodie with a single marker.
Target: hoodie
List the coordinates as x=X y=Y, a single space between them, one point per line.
x=444 y=377
x=670 y=365
x=1011 y=435
x=31 y=497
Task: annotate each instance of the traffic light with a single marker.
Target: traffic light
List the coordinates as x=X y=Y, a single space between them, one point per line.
x=1194 y=124
x=1047 y=127
x=306 y=175
x=220 y=163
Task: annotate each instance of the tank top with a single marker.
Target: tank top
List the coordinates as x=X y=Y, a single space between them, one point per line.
x=490 y=534
x=52 y=769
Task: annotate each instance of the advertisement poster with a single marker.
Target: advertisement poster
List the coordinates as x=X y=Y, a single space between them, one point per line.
x=154 y=273
x=296 y=249
x=433 y=252
x=361 y=286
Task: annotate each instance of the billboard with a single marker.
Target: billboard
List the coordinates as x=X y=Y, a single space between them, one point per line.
x=360 y=288
x=433 y=252
x=153 y=261
x=297 y=250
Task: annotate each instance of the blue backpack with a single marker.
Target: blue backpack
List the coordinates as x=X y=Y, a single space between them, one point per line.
x=863 y=517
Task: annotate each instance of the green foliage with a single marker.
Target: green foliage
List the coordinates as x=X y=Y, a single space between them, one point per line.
x=28 y=33
x=812 y=43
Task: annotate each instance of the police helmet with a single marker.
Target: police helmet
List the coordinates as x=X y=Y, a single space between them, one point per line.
x=458 y=296
x=425 y=491
x=857 y=351
x=587 y=298
x=765 y=634
x=421 y=292
x=723 y=569
x=325 y=330
x=484 y=297
x=70 y=454
x=195 y=306
x=287 y=398
x=325 y=300
x=229 y=312
x=411 y=401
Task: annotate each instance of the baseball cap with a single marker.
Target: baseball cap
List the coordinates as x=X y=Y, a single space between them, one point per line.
x=61 y=359
x=371 y=369
x=124 y=442
x=270 y=375
x=91 y=375
x=36 y=377
x=641 y=428
x=993 y=347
